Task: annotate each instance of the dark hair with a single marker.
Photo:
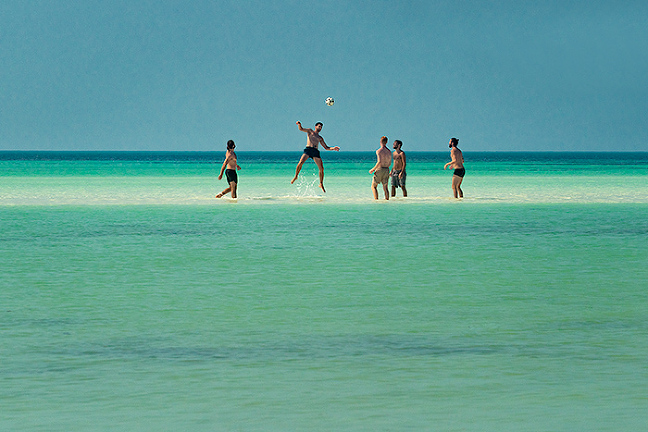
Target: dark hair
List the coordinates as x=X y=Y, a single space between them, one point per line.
x=454 y=141
x=399 y=142
x=383 y=139
x=230 y=145
x=319 y=123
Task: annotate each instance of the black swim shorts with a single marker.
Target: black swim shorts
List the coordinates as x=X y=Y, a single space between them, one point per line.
x=460 y=172
x=231 y=176
x=312 y=152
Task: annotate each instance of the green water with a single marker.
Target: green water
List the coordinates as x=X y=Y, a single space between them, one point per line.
x=104 y=178
x=448 y=316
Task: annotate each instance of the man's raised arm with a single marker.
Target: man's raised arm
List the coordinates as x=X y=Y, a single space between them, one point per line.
x=303 y=129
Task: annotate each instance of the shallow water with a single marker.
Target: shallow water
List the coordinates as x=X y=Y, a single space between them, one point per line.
x=32 y=178
x=303 y=312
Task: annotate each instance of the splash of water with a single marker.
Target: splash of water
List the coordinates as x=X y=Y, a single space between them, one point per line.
x=307 y=184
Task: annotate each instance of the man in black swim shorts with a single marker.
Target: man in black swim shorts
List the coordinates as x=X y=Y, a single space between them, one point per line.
x=456 y=163
x=230 y=167
x=231 y=176
x=311 y=151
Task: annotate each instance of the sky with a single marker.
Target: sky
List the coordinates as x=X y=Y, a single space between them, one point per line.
x=189 y=75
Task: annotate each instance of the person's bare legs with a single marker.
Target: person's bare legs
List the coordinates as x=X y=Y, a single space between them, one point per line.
x=386 y=189
x=299 y=167
x=456 y=186
x=233 y=189
x=226 y=191
x=320 y=165
x=374 y=187
x=393 y=190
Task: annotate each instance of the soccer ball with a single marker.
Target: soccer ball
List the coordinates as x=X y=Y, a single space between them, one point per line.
x=329 y=101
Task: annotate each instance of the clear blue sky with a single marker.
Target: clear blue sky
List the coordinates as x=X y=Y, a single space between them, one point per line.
x=189 y=75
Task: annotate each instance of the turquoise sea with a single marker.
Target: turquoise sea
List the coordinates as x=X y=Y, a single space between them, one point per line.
x=133 y=300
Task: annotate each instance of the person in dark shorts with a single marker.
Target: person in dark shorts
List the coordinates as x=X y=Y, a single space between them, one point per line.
x=230 y=167
x=398 y=173
x=457 y=163
x=311 y=151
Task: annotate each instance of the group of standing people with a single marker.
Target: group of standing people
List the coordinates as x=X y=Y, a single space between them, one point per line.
x=381 y=171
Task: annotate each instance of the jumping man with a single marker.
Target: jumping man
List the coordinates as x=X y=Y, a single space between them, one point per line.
x=312 y=142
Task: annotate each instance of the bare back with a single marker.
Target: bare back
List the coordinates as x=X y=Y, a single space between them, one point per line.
x=384 y=157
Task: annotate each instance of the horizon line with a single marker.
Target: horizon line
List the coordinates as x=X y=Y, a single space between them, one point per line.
x=300 y=151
